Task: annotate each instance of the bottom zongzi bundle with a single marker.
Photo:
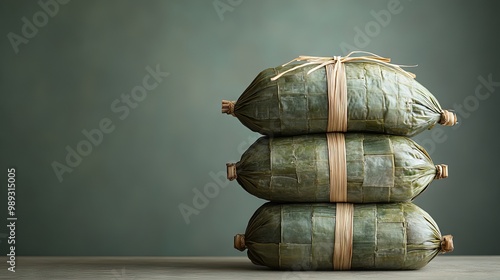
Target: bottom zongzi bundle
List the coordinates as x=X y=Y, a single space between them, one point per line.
x=342 y=236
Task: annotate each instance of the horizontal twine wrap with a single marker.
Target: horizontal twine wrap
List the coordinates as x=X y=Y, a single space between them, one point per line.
x=337 y=166
x=342 y=248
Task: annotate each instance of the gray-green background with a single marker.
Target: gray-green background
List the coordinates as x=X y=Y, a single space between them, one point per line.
x=123 y=198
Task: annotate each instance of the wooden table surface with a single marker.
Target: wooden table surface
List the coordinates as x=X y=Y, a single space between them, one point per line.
x=121 y=268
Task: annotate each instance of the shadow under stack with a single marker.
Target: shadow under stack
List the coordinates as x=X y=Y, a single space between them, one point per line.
x=338 y=166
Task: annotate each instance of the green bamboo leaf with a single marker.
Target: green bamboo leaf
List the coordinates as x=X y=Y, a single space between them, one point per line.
x=380 y=99
x=380 y=168
x=390 y=236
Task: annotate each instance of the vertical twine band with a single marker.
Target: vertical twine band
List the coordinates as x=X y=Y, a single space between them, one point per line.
x=337 y=96
x=342 y=248
x=337 y=165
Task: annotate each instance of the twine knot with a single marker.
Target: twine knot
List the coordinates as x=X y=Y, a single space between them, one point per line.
x=441 y=171
x=231 y=171
x=228 y=107
x=239 y=242
x=447 y=244
x=448 y=118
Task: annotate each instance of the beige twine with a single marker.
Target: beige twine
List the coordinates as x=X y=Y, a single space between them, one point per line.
x=231 y=171
x=323 y=61
x=342 y=248
x=447 y=244
x=441 y=171
x=228 y=107
x=337 y=165
x=448 y=118
x=239 y=242
x=337 y=97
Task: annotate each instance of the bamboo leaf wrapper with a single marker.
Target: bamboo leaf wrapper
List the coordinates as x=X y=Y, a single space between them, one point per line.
x=379 y=99
x=380 y=168
x=301 y=236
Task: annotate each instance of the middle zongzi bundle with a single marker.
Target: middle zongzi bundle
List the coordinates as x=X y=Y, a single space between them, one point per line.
x=362 y=168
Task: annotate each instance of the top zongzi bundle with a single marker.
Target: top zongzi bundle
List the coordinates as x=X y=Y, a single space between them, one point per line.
x=337 y=95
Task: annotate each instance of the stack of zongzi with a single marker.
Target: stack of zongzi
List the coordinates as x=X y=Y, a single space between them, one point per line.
x=337 y=165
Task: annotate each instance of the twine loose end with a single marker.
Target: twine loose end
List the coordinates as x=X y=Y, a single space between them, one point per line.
x=363 y=57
